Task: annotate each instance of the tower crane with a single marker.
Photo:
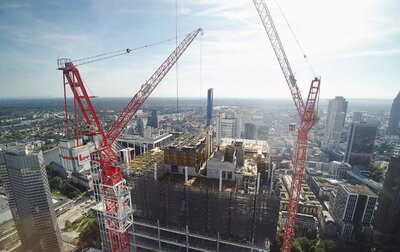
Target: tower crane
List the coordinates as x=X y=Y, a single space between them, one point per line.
x=111 y=187
x=308 y=118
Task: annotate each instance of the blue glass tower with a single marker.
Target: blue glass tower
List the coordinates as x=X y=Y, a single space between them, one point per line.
x=210 y=99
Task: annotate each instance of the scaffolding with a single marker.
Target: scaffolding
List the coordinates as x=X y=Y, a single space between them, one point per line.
x=249 y=219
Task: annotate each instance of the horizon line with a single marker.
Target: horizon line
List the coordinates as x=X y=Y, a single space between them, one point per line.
x=186 y=97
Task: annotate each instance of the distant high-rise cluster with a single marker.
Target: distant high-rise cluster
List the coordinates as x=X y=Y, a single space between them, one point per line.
x=394 y=119
x=25 y=181
x=335 y=121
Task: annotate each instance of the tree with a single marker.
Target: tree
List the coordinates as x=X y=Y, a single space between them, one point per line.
x=55 y=183
x=67 y=223
x=296 y=247
x=305 y=243
x=316 y=249
x=377 y=173
x=49 y=168
x=90 y=235
x=311 y=234
x=329 y=245
x=73 y=194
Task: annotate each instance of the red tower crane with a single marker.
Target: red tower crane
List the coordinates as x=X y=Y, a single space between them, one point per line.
x=112 y=188
x=308 y=117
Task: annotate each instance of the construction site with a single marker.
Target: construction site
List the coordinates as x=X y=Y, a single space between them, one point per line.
x=177 y=203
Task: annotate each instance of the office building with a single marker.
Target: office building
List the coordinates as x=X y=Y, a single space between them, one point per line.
x=335 y=121
x=75 y=158
x=250 y=131
x=9 y=240
x=357 y=116
x=387 y=217
x=228 y=126
x=262 y=132
x=338 y=170
x=25 y=181
x=360 y=143
x=352 y=207
x=210 y=104
x=154 y=119
x=394 y=118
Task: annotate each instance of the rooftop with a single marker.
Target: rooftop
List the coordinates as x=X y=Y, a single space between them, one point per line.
x=147 y=140
x=146 y=160
x=186 y=142
x=359 y=189
x=257 y=146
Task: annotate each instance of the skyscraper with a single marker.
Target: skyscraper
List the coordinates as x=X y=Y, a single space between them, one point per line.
x=335 y=121
x=210 y=104
x=154 y=119
x=360 y=143
x=25 y=182
x=394 y=119
x=387 y=217
x=352 y=207
x=250 y=131
x=357 y=116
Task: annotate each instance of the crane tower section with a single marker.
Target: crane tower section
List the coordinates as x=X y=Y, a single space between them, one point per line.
x=308 y=117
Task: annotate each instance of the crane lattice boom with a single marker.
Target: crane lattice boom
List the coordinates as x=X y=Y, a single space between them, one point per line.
x=276 y=43
x=308 y=117
x=129 y=111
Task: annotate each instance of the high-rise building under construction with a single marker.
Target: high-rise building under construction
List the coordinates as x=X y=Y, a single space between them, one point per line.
x=187 y=199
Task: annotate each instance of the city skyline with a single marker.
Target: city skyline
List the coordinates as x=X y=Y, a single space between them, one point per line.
x=35 y=34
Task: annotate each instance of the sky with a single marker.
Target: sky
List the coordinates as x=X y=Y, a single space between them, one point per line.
x=354 y=45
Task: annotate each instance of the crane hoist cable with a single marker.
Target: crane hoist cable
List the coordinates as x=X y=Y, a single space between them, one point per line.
x=296 y=39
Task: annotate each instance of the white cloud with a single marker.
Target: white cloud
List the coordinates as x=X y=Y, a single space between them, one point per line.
x=237 y=58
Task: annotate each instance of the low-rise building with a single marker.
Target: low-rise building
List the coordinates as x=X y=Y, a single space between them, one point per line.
x=308 y=203
x=304 y=222
x=61 y=204
x=322 y=187
x=327 y=225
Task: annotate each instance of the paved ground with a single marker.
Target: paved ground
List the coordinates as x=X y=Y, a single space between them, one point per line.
x=81 y=207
